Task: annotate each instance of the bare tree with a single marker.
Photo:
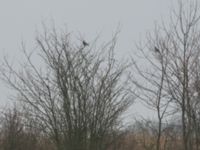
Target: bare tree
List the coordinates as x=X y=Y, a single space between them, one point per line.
x=77 y=97
x=150 y=84
x=174 y=69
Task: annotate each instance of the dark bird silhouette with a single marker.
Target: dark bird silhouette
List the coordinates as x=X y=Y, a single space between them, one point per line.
x=157 y=50
x=85 y=43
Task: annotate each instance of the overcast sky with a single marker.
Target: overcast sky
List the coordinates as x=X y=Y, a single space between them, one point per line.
x=19 y=20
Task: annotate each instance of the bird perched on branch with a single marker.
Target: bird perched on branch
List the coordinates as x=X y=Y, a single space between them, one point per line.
x=85 y=43
x=156 y=50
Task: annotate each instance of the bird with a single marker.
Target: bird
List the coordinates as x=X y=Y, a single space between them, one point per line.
x=85 y=43
x=156 y=50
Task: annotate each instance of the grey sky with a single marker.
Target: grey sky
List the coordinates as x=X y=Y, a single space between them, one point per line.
x=19 y=20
